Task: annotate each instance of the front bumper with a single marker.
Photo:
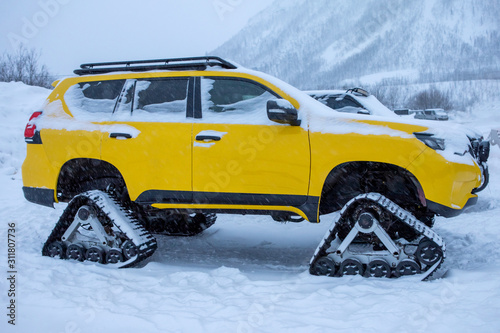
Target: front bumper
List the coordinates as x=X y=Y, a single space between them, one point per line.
x=446 y=211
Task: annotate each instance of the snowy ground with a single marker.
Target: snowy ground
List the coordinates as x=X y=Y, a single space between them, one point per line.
x=245 y=274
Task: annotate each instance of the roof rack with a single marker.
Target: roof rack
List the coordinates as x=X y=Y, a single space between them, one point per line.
x=192 y=63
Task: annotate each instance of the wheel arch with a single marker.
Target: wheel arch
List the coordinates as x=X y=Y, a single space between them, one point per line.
x=347 y=180
x=82 y=174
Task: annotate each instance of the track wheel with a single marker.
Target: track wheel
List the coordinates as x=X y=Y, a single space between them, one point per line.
x=351 y=267
x=95 y=254
x=378 y=268
x=428 y=252
x=407 y=267
x=129 y=250
x=56 y=249
x=75 y=252
x=323 y=266
x=114 y=256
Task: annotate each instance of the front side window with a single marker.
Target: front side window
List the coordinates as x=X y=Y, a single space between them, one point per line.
x=93 y=99
x=161 y=96
x=234 y=100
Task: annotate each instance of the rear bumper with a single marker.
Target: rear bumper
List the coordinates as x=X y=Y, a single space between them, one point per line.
x=447 y=211
x=41 y=196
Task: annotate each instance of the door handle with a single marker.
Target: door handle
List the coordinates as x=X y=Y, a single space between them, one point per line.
x=207 y=138
x=120 y=135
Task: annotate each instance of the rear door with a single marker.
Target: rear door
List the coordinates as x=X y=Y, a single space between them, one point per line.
x=149 y=140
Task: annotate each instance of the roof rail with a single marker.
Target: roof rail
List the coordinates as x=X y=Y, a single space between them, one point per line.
x=192 y=63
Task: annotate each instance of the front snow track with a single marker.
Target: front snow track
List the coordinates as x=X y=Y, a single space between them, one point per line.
x=97 y=227
x=375 y=237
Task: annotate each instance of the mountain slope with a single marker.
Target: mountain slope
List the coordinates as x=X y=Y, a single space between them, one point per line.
x=321 y=43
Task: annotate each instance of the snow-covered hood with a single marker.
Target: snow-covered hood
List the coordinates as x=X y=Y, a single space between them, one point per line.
x=456 y=138
x=370 y=103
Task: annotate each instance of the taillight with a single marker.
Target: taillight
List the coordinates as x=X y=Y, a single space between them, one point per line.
x=30 y=130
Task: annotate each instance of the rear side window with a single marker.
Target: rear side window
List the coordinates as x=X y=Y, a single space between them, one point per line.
x=93 y=99
x=153 y=100
x=160 y=96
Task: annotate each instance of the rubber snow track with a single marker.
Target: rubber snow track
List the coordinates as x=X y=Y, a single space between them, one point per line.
x=400 y=214
x=116 y=214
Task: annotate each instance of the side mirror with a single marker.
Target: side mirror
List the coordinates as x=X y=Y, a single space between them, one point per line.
x=363 y=111
x=283 y=112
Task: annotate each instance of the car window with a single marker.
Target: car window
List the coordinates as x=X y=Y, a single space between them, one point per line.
x=339 y=102
x=92 y=99
x=161 y=96
x=241 y=100
x=158 y=99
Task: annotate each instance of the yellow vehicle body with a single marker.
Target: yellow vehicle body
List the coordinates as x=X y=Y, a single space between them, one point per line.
x=244 y=167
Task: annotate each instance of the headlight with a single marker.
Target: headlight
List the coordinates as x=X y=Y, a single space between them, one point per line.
x=430 y=141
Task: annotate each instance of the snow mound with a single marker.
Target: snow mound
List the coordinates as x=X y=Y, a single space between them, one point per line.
x=17 y=102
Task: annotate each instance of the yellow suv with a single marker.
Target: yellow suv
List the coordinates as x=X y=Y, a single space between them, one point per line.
x=181 y=139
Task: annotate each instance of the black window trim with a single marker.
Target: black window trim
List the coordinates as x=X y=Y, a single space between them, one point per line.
x=197 y=98
x=118 y=99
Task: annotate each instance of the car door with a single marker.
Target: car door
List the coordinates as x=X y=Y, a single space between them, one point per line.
x=149 y=140
x=240 y=157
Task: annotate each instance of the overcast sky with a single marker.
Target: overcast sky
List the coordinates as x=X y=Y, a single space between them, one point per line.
x=71 y=32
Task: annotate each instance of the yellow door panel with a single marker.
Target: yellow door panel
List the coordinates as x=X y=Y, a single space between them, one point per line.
x=238 y=150
x=251 y=159
x=159 y=158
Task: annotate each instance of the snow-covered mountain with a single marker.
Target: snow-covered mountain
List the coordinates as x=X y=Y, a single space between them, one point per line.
x=327 y=43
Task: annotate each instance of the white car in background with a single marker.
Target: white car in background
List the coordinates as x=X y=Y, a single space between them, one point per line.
x=355 y=100
x=431 y=114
